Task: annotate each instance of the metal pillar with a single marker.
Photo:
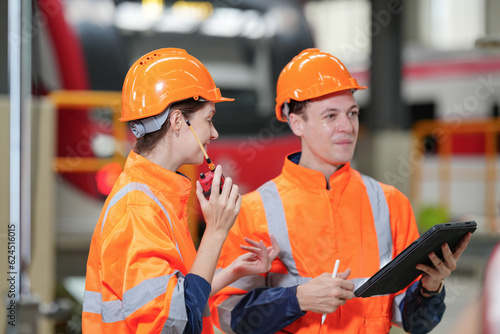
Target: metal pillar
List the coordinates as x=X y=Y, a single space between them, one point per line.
x=20 y=318
x=386 y=110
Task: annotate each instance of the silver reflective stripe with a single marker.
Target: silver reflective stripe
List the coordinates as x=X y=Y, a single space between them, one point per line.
x=112 y=311
x=145 y=189
x=224 y=309
x=137 y=297
x=144 y=292
x=276 y=222
x=285 y=280
x=359 y=282
x=381 y=217
x=248 y=283
x=177 y=314
x=397 y=317
x=92 y=302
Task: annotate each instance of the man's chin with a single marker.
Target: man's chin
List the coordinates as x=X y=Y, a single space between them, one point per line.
x=342 y=160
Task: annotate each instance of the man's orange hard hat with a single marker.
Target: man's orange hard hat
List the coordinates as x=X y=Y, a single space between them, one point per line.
x=310 y=74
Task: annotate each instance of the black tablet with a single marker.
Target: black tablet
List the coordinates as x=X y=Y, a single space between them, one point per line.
x=401 y=271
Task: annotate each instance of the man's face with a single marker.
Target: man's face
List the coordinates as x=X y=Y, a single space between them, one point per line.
x=330 y=130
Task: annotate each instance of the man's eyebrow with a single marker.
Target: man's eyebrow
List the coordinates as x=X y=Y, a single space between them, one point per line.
x=335 y=109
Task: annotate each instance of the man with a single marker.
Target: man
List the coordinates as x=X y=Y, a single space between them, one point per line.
x=320 y=210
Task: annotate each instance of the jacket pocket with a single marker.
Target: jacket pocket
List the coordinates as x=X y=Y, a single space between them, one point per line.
x=376 y=325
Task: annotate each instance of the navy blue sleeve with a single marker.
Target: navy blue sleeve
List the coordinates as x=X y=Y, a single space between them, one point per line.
x=266 y=310
x=420 y=314
x=196 y=293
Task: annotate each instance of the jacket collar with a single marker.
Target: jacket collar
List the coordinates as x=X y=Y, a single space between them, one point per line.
x=147 y=172
x=313 y=179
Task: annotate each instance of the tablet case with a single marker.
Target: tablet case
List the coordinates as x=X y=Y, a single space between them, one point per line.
x=401 y=271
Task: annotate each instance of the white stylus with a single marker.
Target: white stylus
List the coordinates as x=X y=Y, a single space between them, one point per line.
x=335 y=269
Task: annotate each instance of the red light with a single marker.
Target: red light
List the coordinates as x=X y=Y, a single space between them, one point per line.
x=107 y=176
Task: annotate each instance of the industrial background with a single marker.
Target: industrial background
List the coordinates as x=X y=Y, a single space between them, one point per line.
x=429 y=121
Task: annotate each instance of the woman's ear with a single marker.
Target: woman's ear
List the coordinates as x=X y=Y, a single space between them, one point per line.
x=176 y=119
x=296 y=124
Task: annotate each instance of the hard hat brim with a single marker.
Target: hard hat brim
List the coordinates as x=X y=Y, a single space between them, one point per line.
x=224 y=99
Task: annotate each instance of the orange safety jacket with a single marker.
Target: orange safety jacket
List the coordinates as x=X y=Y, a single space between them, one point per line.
x=140 y=252
x=359 y=221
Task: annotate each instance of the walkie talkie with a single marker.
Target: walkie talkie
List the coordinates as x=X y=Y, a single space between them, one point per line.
x=206 y=178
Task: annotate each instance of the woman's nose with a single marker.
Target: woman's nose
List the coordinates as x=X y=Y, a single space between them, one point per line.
x=213 y=133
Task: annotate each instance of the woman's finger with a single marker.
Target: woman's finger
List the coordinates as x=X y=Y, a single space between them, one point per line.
x=250 y=248
x=216 y=183
x=252 y=242
x=199 y=194
x=275 y=249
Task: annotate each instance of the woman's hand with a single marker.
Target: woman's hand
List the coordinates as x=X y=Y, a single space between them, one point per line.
x=221 y=210
x=258 y=259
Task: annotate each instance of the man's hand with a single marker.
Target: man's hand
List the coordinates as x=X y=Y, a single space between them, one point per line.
x=325 y=294
x=433 y=276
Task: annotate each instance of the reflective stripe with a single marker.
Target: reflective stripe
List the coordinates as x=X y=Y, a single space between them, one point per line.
x=359 y=282
x=224 y=310
x=248 y=283
x=145 y=189
x=137 y=297
x=146 y=291
x=397 y=316
x=92 y=302
x=112 y=311
x=276 y=221
x=381 y=217
x=177 y=314
x=285 y=280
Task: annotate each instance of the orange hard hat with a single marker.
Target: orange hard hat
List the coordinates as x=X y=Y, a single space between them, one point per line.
x=310 y=74
x=162 y=77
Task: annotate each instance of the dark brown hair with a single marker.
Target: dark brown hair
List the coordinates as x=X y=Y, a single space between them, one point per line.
x=146 y=143
x=298 y=108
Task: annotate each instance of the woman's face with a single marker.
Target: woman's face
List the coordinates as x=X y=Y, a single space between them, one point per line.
x=201 y=122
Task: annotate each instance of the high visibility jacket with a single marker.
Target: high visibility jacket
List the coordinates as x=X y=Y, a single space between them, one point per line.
x=359 y=221
x=140 y=252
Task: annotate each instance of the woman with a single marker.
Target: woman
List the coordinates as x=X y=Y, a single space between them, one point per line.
x=143 y=272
